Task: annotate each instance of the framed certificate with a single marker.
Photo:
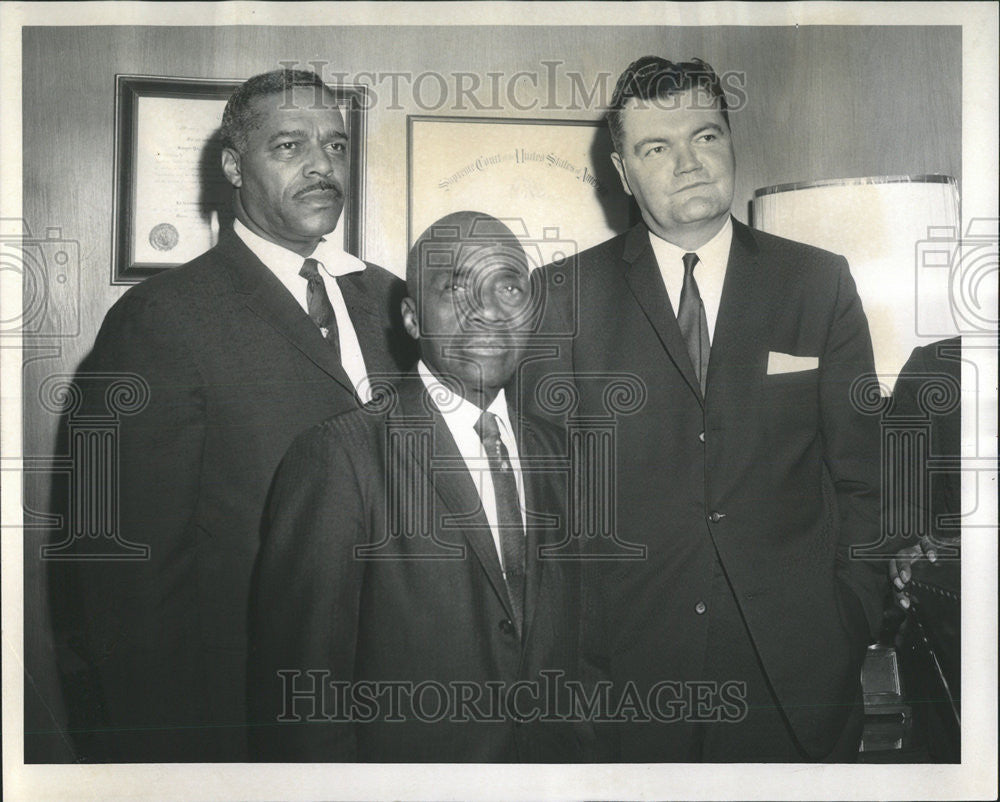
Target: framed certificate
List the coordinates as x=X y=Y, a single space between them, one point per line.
x=552 y=181
x=171 y=197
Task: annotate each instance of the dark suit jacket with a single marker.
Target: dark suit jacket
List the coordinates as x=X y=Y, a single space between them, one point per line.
x=928 y=394
x=425 y=602
x=928 y=389
x=235 y=369
x=785 y=461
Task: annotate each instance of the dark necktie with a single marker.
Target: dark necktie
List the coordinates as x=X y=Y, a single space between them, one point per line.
x=512 y=547
x=693 y=322
x=318 y=302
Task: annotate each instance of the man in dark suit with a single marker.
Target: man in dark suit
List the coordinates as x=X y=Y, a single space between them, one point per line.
x=926 y=573
x=747 y=474
x=404 y=608
x=240 y=349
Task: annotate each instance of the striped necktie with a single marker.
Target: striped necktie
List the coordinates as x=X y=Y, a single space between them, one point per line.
x=512 y=546
x=318 y=303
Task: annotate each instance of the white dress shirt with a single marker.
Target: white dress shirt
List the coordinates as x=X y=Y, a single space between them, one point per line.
x=709 y=272
x=333 y=261
x=461 y=416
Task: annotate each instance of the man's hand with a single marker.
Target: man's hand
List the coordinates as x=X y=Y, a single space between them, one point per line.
x=900 y=568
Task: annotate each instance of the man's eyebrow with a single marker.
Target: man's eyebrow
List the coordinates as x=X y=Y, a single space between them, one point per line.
x=297 y=133
x=649 y=140
x=709 y=127
x=462 y=272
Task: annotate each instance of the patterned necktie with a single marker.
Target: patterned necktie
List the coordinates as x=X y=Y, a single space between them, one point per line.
x=693 y=322
x=512 y=547
x=320 y=308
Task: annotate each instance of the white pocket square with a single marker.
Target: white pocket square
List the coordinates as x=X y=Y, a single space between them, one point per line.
x=778 y=362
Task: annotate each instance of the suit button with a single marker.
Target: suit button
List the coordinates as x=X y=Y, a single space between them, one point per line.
x=701 y=436
x=700 y=608
x=507 y=627
x=715 y=517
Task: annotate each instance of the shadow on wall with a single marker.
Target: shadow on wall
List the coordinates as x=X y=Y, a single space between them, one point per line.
x=600 y=156
x=216 y=192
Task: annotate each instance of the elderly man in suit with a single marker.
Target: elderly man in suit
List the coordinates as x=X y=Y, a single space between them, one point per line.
x=747 y=475
x=270 y=331
x=404 y=608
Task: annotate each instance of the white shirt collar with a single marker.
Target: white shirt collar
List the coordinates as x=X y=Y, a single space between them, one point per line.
x=461 y=416
x=459 y=412
x=335 y=260
x=714 y=253
x=285 y=264
x=710 y=272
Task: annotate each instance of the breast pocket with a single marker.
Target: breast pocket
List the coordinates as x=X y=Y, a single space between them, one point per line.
x=791 y=399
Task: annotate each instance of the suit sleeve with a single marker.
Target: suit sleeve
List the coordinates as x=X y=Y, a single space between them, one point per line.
x=141 y=614
x=852 y=451
x=906 y=503
x=928 y=389
x=305 y=605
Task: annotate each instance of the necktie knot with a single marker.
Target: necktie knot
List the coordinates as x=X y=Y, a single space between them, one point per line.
x=310 y=270
x=488 y=430
x=690 y=260
x=318 y=303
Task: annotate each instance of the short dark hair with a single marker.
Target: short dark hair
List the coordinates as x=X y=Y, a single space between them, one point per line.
x=240 y=116
x=652 y=77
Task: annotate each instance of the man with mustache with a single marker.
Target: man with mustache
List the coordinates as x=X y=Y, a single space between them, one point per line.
x=404 y=608
x=274 y=329
x=747 y=475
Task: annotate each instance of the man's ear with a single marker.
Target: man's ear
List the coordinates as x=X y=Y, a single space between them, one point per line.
x=411 y=320
x=616 y=160
x=231 y=167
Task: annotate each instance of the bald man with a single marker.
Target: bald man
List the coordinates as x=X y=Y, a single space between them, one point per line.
x=401 y=611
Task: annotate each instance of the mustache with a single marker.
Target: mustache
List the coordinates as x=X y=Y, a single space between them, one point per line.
x=321 y=186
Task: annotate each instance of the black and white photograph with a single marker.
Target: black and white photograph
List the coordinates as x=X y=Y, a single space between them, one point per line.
x=487 y=400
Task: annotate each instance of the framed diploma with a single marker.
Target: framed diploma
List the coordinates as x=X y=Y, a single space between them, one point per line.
x=552 y=181
x=171 y=197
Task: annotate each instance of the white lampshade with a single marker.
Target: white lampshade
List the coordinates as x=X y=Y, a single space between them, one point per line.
x=889 y=228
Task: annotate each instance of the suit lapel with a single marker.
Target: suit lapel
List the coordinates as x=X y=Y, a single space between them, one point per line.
x=369 y=323
x=646 y=284
x=267 y=297
x=463 y=514
x=538 y=500
x=744 y=310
